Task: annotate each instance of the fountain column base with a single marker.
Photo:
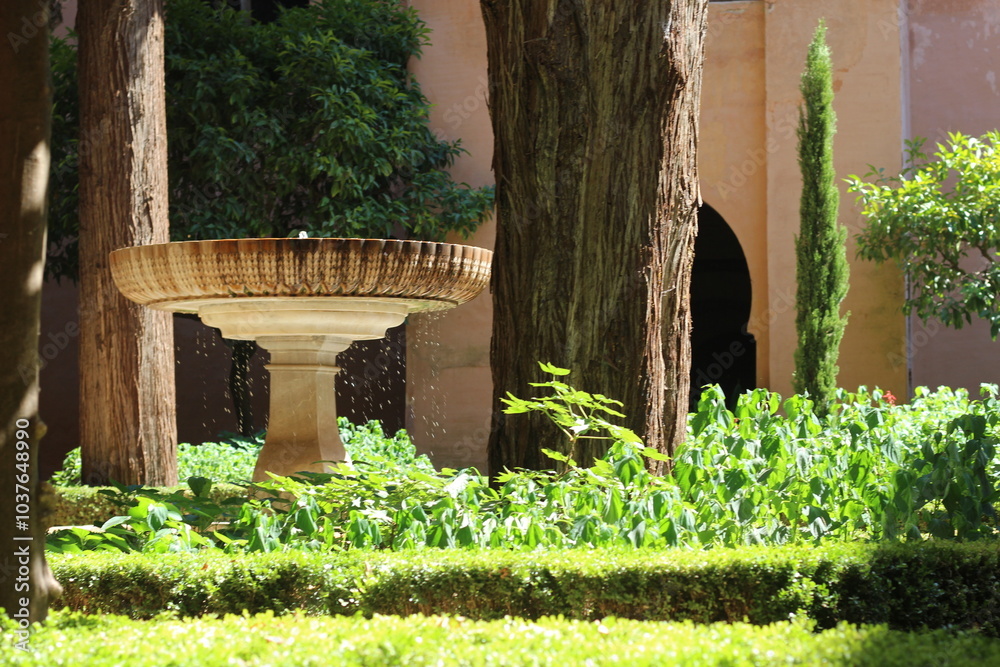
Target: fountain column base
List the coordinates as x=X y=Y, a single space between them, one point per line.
x=302 y=433
x=304 y=336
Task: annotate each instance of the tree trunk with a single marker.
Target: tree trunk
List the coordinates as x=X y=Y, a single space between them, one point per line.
x=26 y=584
x=128 y=429
x=595 y=108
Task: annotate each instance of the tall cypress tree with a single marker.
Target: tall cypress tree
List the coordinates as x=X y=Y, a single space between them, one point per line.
x=821 y=268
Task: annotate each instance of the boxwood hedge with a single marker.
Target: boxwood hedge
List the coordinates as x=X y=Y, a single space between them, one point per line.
x=907 y=587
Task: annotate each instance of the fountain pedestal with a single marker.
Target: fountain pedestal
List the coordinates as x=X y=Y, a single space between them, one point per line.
x=304 y=337
x=302 y=430
x=304 y=301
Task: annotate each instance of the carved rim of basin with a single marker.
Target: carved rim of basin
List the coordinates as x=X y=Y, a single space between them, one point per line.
x=182 y=276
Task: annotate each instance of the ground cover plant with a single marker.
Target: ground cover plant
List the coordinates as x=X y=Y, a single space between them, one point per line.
x=770 y=472
x=231 y=460
x=73 y=639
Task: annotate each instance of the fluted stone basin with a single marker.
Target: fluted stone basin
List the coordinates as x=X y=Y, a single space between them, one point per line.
x=305 y=301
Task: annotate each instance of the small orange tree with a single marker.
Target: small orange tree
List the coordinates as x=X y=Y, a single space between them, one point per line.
x=939 y=220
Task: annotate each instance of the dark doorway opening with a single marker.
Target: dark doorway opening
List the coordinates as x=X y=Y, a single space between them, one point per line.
x=723 y=352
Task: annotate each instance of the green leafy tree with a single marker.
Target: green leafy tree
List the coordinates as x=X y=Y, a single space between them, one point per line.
x=311 y=122
x=939 y=220
x=821 y=268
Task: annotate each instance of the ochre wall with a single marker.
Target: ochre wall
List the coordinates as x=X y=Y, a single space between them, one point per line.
x=735 y=150
x=449 y=383
x=864 y=40
x=954 y=81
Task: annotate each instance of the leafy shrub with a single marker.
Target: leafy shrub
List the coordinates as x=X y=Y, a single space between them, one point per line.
x=368 y=442
x=231 y=461
x=937 y=220
x=905 y=586
x=869 y=470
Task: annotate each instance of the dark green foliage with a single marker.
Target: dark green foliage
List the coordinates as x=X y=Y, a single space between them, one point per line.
x=908 y=587
x=309 y=123
x=61 y=260
x=821 y=256
x=939 y=220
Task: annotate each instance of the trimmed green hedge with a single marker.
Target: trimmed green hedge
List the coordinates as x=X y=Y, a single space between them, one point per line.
x=72 y=639
x=905 y=586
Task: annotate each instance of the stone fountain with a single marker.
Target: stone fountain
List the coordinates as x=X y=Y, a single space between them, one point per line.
x=305 y=301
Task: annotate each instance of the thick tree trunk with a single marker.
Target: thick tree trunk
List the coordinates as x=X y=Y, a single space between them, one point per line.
x=595 y=108
x=128 y=428
x=26 y=584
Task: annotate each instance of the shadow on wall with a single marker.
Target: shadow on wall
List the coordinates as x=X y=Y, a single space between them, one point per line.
x=723 y=352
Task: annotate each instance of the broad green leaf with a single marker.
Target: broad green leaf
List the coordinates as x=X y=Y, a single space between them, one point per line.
x=115 y=521
x=553 y=370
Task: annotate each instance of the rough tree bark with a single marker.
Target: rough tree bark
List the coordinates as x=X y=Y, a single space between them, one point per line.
x=594 y=108
x=26 y=584
x=128 y=428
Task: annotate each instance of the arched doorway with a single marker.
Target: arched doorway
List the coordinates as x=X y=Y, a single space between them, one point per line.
x=723 y=352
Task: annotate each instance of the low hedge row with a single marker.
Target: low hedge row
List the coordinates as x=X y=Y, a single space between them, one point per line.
x=905 y=586
x=107 y=641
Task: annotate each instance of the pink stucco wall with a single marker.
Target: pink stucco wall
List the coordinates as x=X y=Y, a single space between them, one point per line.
x=735 y=149
x=953 y=72
x=864 y=40
x=449 y=382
